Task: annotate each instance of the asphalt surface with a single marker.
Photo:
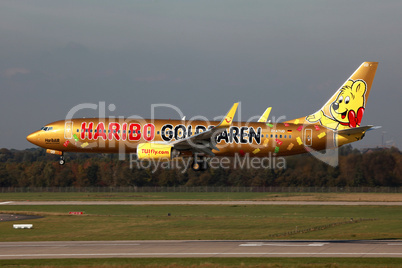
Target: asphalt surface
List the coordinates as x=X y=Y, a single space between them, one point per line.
x=17 y=217
x=168 y=202
x=138 y=249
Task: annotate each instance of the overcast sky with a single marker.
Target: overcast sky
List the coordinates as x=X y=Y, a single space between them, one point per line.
x=200 y=56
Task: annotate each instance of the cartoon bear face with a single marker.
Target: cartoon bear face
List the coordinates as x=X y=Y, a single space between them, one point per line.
x=349 y=103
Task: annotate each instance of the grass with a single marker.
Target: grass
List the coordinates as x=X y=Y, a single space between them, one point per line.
x=370 y=197
x=208 y=262
x=127 y=222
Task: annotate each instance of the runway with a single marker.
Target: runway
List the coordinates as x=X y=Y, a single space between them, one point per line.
x=191 y=248
x=17 y=217
x=189 y=202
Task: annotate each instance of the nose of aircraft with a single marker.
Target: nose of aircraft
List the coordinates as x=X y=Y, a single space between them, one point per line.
x=33 y=137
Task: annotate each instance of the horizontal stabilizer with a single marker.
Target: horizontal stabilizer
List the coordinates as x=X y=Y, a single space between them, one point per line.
x=356 y=130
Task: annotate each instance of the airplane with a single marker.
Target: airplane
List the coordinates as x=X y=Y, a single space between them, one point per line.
x=338 y=122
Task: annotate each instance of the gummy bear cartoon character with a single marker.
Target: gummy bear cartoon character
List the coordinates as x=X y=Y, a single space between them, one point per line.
x=347 y=110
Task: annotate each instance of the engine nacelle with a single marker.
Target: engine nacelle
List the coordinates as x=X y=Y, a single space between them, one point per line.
x=50 y=151
x=154 y=151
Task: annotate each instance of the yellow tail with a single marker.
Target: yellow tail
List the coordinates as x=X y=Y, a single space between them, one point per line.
x=345 y=109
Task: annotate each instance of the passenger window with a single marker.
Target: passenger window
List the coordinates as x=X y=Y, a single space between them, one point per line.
x=280 y=136
x=290 y=136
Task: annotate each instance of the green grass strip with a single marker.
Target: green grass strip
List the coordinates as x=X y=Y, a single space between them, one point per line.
x=207 y=262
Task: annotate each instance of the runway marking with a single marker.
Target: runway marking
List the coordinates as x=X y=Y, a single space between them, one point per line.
x=394 y=244
x=282 y=245
x=3 y=203
x=197 y=253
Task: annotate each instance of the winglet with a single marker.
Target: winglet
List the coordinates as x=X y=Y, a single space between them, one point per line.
x=265 y=115
x=227 y=121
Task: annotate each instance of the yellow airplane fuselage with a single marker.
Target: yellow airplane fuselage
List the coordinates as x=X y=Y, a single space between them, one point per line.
x=338 y=122
x=99 y=135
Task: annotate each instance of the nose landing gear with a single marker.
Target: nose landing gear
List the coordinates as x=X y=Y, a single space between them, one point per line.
x=62 y=161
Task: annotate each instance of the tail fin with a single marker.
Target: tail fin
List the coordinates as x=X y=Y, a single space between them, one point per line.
x=346 y=107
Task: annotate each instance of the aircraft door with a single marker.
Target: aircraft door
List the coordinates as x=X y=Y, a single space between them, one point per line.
x=308 y=137
x=68 y=130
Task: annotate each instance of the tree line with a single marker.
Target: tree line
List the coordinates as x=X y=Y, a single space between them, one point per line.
x=35 y=168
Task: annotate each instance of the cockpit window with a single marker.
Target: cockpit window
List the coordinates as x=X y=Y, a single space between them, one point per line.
x=47 y=128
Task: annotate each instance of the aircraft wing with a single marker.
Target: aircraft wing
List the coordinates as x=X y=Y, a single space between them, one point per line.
x=204 y=142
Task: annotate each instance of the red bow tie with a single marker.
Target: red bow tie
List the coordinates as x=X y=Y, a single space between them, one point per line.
x=355 y=120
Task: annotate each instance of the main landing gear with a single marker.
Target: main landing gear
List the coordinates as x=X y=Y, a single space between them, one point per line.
x=199 y=163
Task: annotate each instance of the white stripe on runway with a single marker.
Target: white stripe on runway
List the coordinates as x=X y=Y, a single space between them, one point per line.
x=282 y=245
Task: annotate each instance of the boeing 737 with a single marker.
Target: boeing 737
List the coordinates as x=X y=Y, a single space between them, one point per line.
x=338 y=122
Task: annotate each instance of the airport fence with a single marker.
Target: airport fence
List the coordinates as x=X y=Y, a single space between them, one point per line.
x=201 y=189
